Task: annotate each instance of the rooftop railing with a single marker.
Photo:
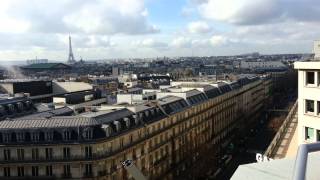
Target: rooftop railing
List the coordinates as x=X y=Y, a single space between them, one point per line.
x=281 y=132
x=300 y=166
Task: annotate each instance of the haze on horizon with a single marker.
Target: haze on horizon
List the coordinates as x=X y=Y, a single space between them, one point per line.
x=104 y=29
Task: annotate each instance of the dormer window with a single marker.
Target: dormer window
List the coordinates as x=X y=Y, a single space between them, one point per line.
x=118 y=125
x=127 y=121
x=140 y=115
x=48 y=136
x=136 y=119
x=147 y=113
x=6 y=137
x=107 y=129
x=66 y=135
x=11 y=107
x=20 y=136
x=88 y=133
x=35 y=136
x=20 y=106
x=152 y=112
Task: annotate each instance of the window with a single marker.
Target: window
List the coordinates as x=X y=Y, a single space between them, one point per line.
x=88 y=169
x=310 y=77
x=309 y=106
x=134 y=155
x=20 y=136
x=20 y=171
x=35 y=171
x=6 y=171
x=318 y=135
x=131 y=138
x=6 y=137
x=7 y=154
x=49 y=170
x=35 y=136
x=49 y=153
x=49 y=136
x=88 y=134
x=20 y=154
x=88 y=151
x=66 y=153
x=309 y=133
x=66 y=135
x=35 y=154
x=121 y=142
x=66 y=170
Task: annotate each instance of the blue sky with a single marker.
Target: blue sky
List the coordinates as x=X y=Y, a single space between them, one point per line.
x=108 y=29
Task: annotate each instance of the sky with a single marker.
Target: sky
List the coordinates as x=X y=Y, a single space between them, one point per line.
x=108 y=29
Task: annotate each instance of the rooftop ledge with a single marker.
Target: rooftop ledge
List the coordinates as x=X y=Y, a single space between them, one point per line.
x=307 y=65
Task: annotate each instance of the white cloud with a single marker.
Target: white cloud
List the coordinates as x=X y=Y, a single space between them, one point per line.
x=81 y=16
x=251 y=12
x=218 y=40
x=199 y=27
x=181 y=42
x=149 y=43
x=240 y=11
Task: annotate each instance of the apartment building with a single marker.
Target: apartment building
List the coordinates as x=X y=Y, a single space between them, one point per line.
x=162 y=136
x=309 y=101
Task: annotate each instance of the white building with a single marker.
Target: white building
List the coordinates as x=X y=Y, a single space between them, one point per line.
x=261 y=64
x=316 y=49
x=309 y=101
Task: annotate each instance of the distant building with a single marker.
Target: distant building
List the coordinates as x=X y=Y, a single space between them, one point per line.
x=29 y=86
x=46 y=69
x=256 y=65
x=107 y=85
x=135 y=96
x=316 y=49
x=37 y=61
x=116 y=71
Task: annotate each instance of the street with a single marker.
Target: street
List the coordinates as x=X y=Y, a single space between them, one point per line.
x=256 y=141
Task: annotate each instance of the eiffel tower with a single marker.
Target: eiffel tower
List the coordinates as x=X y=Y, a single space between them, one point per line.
x=71 y=59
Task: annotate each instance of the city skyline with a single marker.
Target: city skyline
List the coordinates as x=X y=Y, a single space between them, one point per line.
x=135 y=28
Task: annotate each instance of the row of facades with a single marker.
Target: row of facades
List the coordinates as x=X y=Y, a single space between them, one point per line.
x=161 y=136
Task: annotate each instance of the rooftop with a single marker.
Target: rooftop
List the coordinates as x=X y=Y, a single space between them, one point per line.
x=281 y=169
x=46 y=66
x=20 y=80
x=54 y=122
x=307 y=65
x=52 y=113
